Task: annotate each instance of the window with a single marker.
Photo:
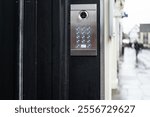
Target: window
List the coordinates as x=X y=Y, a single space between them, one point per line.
x=145 y=38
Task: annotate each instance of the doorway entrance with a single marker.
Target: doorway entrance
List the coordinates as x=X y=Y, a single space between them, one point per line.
x=48 y=68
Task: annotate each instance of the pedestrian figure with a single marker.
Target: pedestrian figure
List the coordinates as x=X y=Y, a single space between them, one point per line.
x=123 y=46
x=137 y=48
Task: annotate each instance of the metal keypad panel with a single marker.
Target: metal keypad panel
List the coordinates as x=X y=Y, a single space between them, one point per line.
x=83 y=37
x=83 y=30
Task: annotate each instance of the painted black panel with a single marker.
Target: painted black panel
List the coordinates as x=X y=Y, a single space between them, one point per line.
x=8 y=49
x=84 y=71
x=30 y=50
x=44 y=50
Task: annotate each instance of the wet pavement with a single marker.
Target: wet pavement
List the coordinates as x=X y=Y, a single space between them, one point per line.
x=133 y=76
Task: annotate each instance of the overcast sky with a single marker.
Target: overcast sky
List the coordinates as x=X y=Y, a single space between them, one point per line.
x=138 y=12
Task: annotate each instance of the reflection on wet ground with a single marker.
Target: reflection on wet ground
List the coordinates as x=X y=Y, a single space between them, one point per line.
x=134 y=76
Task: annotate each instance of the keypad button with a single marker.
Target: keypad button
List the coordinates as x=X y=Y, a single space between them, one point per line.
x=88 y=41
x=78 y=41
x=77 y=28
x=83 y=37
x=89 y=36
x=88 y=28
x=77 y=37
x=83 y=28
x=83 y=41
x=78 y=46
x=77 y=33
x=83 y=32
x=89 y=45
x=89 y=32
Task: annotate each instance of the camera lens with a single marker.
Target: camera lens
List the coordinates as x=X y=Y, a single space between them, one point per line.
x=83 y=14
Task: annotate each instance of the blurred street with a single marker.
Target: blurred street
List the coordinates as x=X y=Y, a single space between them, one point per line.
x=134 y=76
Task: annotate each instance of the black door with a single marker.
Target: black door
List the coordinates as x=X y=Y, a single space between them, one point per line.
x=49 y=70
x=8 y=49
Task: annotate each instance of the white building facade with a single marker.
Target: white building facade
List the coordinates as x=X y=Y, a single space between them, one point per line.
x=145 y=35
x=113 y=43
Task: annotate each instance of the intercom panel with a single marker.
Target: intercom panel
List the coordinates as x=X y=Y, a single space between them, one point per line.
x=83 y=37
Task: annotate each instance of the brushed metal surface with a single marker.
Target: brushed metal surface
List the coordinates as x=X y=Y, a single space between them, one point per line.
x=83 y=30
x=85 y=6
